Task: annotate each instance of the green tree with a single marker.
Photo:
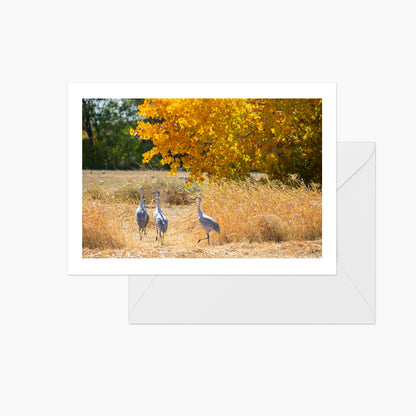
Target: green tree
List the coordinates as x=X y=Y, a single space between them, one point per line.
x=106 y=140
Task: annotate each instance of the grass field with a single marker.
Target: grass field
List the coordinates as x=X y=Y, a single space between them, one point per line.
x=257 y=218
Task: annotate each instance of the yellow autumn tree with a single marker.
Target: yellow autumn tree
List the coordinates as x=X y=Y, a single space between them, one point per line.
x=228 y=138
x=289 y=138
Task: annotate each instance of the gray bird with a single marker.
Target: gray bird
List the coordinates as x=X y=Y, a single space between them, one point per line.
x=208 y=223
x=161 y=221
x=144 y=204
x=142 y=216
x=156 y=211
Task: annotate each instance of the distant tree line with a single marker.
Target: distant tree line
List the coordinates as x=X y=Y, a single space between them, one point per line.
x=106 y=140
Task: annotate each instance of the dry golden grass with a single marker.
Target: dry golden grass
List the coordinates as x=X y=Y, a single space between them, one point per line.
x=257 y=219
x=258 y=212
x=98 y=231
x=289 y=249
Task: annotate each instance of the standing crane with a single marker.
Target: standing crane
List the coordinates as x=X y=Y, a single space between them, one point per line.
x=160 y=218
x=142 y=216
x=208 y=223
x=158 y=210
x=161 y=221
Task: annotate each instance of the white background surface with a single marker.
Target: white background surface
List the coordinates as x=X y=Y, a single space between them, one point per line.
x=66 y=348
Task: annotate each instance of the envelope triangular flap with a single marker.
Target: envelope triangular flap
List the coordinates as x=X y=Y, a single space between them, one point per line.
x=356 y=220
x=354 y=157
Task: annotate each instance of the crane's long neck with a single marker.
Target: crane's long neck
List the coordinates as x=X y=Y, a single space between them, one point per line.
x=141 y=196
x=199 y=208
x=158 y=204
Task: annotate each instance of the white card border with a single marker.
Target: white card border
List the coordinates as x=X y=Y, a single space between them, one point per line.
x=77 y=265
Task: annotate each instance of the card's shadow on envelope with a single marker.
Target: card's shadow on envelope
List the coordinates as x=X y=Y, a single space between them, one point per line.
x=347 y=297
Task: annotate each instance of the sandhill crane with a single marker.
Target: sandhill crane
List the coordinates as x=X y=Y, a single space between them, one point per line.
x=208 y=223
x=144 y=204
x=142 y=216
x=158 y=210
x=161 y=221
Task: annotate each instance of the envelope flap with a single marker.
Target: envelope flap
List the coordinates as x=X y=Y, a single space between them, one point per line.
x=354 y=156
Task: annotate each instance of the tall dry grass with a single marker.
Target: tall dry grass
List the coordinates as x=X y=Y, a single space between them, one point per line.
x=107 y=225
x=249 y=212
x=98 y=230
x=256 y=212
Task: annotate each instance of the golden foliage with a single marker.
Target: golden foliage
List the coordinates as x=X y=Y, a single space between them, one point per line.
x=228 y=138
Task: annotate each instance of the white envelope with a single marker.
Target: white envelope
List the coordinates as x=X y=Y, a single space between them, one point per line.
x=345 y=298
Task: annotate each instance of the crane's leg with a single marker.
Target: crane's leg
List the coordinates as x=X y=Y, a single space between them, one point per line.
x=206 y=238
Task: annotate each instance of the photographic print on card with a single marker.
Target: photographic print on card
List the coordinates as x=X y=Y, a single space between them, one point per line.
x=201 y=178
